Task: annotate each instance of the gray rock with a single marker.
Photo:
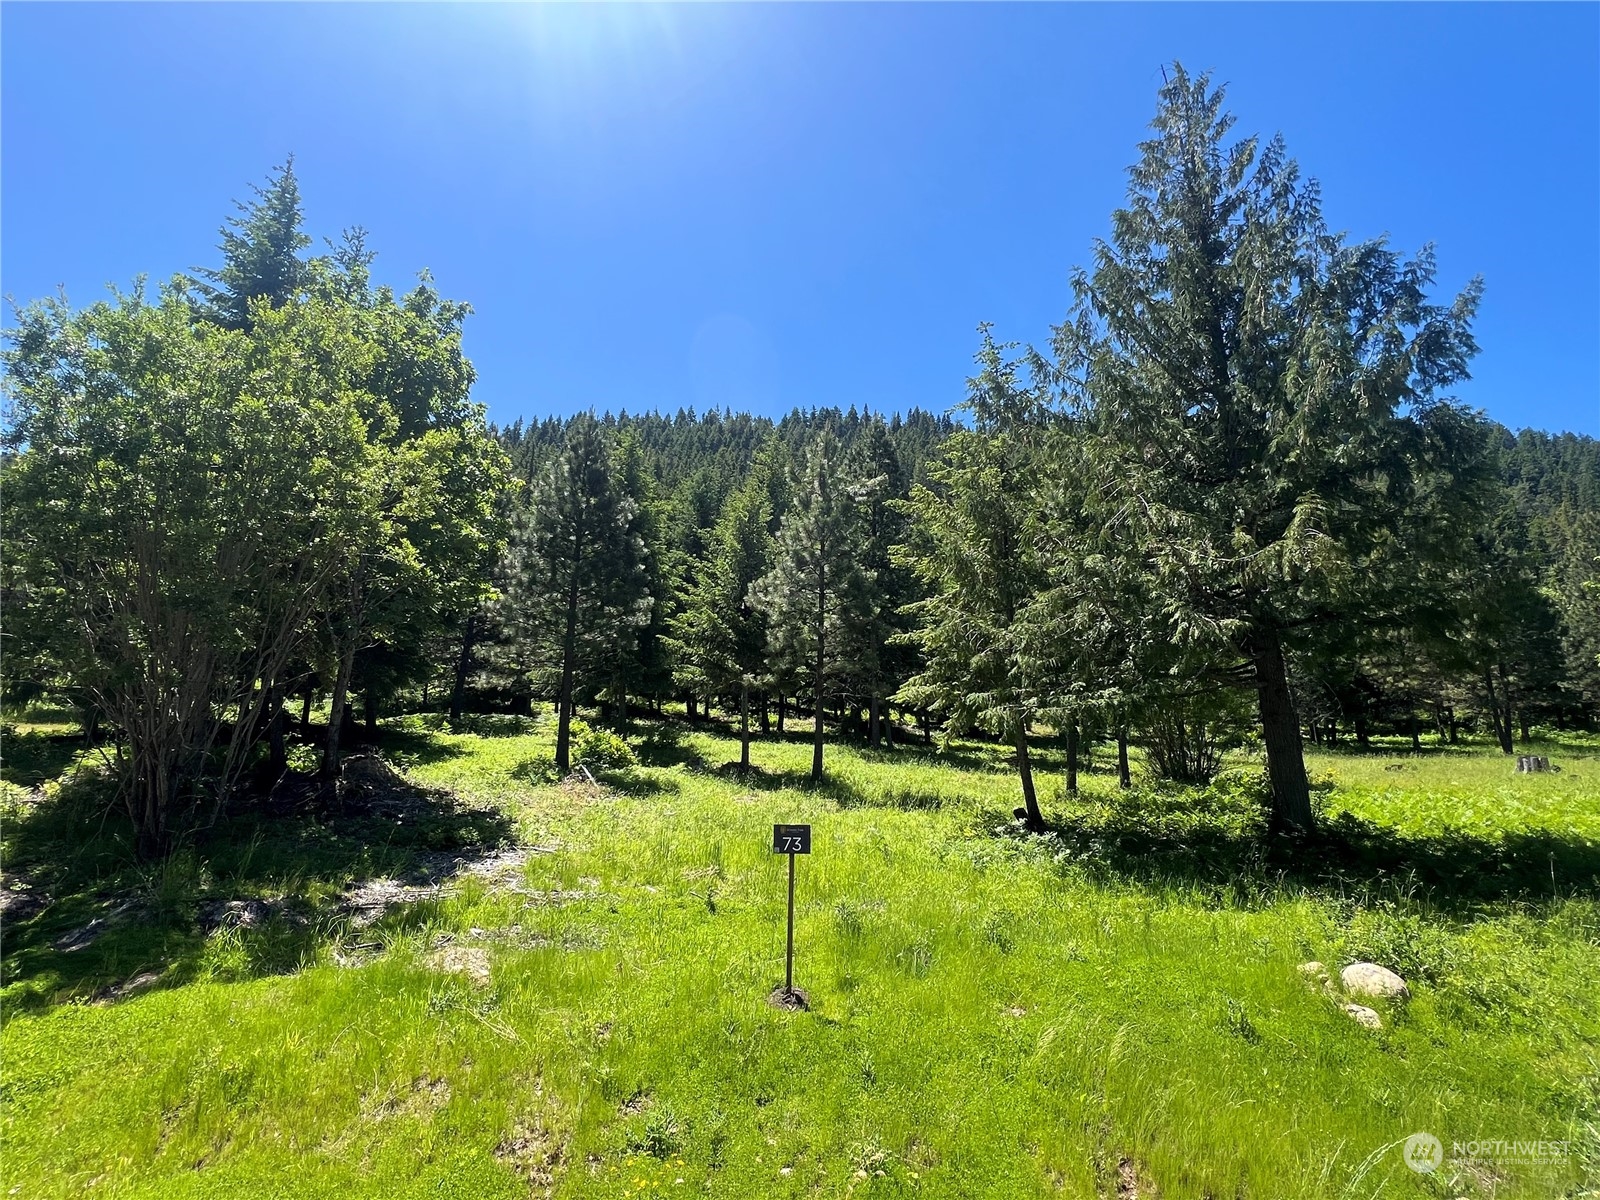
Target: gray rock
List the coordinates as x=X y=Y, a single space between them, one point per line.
x=1362 y=1015
x=1369 y=979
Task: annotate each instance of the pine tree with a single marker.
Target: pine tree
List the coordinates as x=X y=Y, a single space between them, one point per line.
x=581 y=583
x=973 y=545
x=1260 y=394
x=720 y=637
x=817 y=587
x=644 y=667
x=260 y=254
x=880 y=660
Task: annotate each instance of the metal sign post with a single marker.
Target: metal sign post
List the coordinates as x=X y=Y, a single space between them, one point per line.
x=791 y=840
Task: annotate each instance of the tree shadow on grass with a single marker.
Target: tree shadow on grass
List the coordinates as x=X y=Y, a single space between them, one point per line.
x=257 y=894
x=484 y=725
x=666 y=745
x=418 y=745
x=29 y=759
x=842 y=791
x=1226 y=846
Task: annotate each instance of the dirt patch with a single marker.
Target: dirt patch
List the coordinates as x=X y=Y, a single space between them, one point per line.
x=535 y=1153
x=636 y=1104
x=1133 y=1183
x=368 y=901
x=789 y=999
x=471 y=961
x=427 y=1096
x=247 y=914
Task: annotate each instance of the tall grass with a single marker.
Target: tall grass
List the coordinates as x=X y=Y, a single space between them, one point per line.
x=1112 y=1005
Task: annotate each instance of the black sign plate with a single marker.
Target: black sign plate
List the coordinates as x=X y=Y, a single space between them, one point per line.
x=791 y=839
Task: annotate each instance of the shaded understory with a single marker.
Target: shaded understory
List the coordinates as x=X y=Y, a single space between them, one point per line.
x=277 y=878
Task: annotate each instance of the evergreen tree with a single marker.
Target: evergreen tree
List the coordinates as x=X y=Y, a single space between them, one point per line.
x=260 y=254
x=720 y=637
x=973 y=543
x=817 y=588
x=1259 y=393
x=645 y=668
x=880 y=659
x=582 y=587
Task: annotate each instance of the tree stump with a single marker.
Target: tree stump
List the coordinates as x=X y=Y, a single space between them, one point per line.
x=1527 y=763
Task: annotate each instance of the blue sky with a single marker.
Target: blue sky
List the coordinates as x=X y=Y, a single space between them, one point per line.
x=767 y=205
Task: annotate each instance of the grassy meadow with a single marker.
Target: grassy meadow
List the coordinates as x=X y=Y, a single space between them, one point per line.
x=470 y=980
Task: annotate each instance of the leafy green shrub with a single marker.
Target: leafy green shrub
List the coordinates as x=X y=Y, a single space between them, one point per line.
x=1403 y=942
x=600 y=749
x=1235 y=785
x=662 y=1135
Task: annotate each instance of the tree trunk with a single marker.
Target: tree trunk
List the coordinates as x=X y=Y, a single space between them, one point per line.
x=1031 y=815
x=691 y=708
x=783 y=708
x=766 y=715
x=458 y=686
x=1072 y=756
x=1522 y=726
x=927 y=728
x=336 y=713
x=1124 y=776
x=1502 y=727
x=1416 y=734
x=744 y=725
x=369 y=703
x=1280 y=729
x=816 y=735
x=277 y=754
x=305 y=715
x=876 y=738
x=1363 y=738
x=888 y=725
x=569 y=666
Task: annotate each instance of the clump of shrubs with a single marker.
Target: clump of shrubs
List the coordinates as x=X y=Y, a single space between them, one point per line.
x=600 y=749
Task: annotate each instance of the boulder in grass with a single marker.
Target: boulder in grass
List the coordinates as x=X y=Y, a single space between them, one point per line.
x=1316 y=975
x=1369 y=979
x=1364 y=1016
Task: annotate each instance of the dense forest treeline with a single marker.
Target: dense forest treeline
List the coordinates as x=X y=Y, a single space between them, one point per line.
x=1229 y=505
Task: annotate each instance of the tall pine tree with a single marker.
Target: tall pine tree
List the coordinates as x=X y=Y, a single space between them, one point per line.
x=720 y=637
x=817 y=587
x=581 y=584
x=1259 y=393
x=973 y=544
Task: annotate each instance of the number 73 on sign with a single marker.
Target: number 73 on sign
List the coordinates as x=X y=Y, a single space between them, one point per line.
x=791 y=839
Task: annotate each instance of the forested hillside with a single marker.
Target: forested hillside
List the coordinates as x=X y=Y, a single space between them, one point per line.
x=1231 y=505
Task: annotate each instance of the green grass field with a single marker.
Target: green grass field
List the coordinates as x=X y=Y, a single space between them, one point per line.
x=564 y=990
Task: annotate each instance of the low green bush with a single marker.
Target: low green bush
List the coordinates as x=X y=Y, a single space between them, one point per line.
x=601 y=749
